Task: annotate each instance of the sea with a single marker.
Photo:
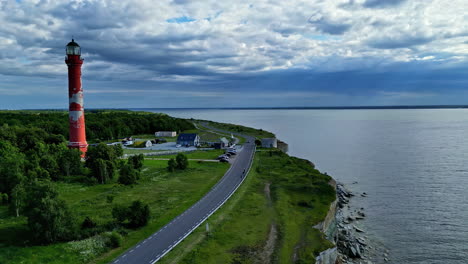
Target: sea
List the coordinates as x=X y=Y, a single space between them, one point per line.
x=412 y=163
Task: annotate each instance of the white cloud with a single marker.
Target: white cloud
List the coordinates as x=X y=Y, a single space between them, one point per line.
x=135 y=41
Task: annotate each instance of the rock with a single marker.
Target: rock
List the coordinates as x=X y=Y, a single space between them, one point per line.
x=362 y=241
x=358 y=229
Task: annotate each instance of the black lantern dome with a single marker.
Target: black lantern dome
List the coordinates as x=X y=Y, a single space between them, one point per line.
x=73 y=48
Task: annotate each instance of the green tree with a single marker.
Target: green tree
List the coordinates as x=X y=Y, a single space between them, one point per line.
x=120 y=213
x=11 y=167
x=139 y=214
x=49 y=218
x=128 y=175
x=136 y=215
x=18 y=199
x=69 y=160
x=102 y=160
x=182 y=161
x=171 y=165
x=136 y=161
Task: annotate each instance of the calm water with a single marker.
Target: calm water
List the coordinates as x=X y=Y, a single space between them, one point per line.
x=412 y=163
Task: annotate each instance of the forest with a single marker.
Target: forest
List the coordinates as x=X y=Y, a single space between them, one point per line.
x=34 y=155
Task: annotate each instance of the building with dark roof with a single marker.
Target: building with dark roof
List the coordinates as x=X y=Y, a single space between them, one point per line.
x=188 y=140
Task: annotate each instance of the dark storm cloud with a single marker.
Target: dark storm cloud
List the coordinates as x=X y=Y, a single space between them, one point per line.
x=328 y=26
x=382 y=3
x=399 y=42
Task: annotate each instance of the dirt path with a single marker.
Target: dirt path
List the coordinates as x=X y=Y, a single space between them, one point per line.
x=265 y=256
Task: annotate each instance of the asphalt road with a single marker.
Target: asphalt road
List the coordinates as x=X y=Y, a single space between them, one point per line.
x=158 y=244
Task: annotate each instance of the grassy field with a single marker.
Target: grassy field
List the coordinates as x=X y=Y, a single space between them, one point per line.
x=139 y=151
x=198 y=154
x=269 y=219
x=168 y=195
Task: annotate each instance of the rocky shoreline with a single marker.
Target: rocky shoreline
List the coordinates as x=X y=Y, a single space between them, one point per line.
x=352 y=243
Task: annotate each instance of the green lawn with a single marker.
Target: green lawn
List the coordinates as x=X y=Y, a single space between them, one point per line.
x=139 y=151
x=239 y=230
x=168 y=195
x=197 y=154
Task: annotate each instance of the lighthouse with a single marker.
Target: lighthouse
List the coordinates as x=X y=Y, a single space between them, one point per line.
x=75 y=96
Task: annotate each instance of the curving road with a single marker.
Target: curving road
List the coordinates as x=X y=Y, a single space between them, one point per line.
x=160 y=243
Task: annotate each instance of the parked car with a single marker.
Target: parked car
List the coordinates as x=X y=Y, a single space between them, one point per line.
x=224 y=160
x=222 y=157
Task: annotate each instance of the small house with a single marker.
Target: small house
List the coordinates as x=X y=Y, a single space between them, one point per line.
x=269 y=143
x=190 y=139
x=224 y=142
x=165 y=134
x=148 y=144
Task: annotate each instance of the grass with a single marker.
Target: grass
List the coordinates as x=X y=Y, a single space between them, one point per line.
x=198 y=154
x=151 y=136
x=139 y=151
x=300 y=198
x=168 y=195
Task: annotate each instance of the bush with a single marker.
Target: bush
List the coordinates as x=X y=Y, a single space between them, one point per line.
x=136 y=161
x=181 y=161
x=171 y=165
x=88 y=223
x=115 y=239
x=136 y=215
x=110 y=198
x=128 y=175
x=139 y=214
x=3 y=198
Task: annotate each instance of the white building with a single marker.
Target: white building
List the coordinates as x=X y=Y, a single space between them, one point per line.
x=165 y=134
x=269 y=143
x=148 y=144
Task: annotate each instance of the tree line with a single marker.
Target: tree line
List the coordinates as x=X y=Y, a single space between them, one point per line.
x=34 y=155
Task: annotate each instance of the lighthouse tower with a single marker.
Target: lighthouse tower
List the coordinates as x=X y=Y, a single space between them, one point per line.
x=75 y=95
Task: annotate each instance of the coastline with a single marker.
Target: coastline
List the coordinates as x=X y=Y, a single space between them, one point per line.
x=352 y=244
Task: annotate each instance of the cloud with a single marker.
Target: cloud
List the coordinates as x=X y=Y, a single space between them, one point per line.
x=382 y=3
x=218 y=45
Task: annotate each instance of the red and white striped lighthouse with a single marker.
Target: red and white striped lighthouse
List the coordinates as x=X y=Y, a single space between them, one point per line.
x=75 y=95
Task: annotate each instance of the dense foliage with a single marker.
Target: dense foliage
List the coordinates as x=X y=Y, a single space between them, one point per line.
x=100 y=124
x=179 y=163
x=135 y=215
x=34 y=155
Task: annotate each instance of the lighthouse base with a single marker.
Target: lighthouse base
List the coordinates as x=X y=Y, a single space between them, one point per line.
x=83 y=147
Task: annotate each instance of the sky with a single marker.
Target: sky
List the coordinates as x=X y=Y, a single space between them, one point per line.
x=211 y=53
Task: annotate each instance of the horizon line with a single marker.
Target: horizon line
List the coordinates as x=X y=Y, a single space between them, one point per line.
x=269 y=108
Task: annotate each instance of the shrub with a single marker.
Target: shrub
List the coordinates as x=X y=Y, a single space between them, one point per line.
x=110 y=198
x=181 y=161
x=4 y=198
x=136 y=215
x=88 y=223
x=171 y=165
x=128 y=175
x=136 y=161
x=139 y=214
x=115 y=239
